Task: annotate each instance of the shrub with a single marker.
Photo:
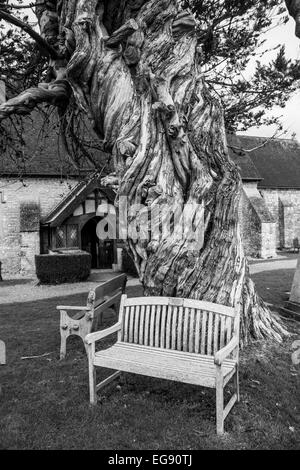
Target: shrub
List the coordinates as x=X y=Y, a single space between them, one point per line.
x=128 y=265
x=60 y=268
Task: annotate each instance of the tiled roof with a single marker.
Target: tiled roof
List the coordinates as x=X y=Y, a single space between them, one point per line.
x=274 y=163
x=242 y=159
x=43 y=153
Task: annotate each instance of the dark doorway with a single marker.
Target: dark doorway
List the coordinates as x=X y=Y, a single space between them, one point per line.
x=102 y=251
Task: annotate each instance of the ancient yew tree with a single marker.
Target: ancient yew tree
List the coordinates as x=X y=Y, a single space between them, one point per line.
x=134 y=67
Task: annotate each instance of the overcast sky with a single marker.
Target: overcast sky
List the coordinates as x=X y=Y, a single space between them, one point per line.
x=291 y=113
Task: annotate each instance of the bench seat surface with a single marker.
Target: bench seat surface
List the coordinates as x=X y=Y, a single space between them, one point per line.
x=162 y=363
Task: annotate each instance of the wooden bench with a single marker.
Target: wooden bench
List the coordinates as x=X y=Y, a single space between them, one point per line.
x=183 y=340
x=87 y=318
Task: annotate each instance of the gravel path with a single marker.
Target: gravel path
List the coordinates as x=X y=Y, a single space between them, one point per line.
x=273 y=265
x=18 y=291
x=27 y=290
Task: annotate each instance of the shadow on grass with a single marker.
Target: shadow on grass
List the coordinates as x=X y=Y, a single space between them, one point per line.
x=44 y=404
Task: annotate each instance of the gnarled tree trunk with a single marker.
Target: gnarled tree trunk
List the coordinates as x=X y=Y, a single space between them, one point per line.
x=135 y=67
x=294 y=10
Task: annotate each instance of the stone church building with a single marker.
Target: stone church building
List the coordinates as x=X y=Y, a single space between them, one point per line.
x=46 y=205
x=270 y=202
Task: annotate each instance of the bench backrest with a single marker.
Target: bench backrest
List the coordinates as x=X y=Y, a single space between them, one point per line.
x=107 y=290
x=180 y=324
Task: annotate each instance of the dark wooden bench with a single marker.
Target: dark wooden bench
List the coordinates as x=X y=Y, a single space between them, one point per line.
x=86 y=319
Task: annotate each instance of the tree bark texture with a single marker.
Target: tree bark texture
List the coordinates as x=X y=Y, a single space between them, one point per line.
x=294 y=10
x=135 y=67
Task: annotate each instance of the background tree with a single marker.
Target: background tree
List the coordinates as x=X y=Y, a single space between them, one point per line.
x=232 y=35
x=135 y=68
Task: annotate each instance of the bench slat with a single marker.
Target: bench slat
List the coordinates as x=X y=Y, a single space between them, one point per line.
x=174 y=327
x=161 y=363
x=216 y=333
x=142 y=324
x=131 y=324
x=192 y=331
x=222 y=332
x=197 y=333
x=147 y=349
x=171 y=325
x=157 y=325
x=109 y=287
x=187 y=303
x=125 y=324
x=147 y=326
x=228 y=330
x=168 y=327
x=185 y=330
x=163 y=326
x=203 y=332
x=152 y=325
x=179 y=329
x=209 y=333
x=136 y=324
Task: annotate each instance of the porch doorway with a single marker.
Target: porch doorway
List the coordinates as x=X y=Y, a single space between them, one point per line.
x=102 y=251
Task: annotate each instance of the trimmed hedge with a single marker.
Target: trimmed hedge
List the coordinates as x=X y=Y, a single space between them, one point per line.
x=60 y=268
x=128 y=265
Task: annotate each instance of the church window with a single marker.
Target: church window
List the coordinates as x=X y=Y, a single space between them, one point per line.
x=67 y=236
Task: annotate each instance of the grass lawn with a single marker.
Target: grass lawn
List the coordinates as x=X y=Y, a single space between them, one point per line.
x=44 y=403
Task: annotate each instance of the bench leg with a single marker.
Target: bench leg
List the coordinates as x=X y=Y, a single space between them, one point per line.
x=92 y=375
x=220 y=402
x=63 y=345
x=70 y=327
x=237 y=384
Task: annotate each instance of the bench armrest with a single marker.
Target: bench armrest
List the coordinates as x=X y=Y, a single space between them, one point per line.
x=72 y=307
x=93 y=337
x=221 y=355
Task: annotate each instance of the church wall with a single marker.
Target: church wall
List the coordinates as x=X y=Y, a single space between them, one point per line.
x=258 y=227
x=284 y=205
x=18 y=246
x=250 y=227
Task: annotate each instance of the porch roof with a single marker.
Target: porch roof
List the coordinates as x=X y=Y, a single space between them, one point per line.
x=75 y=197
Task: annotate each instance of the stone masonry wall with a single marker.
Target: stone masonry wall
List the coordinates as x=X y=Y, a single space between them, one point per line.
x=250 y=228
x=284 y=205
x=17 y=249
x=257 y=224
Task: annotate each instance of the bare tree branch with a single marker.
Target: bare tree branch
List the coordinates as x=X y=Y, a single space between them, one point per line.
x=56 y=93
x=45 y=48
x=20 y=7
x=265 y=142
